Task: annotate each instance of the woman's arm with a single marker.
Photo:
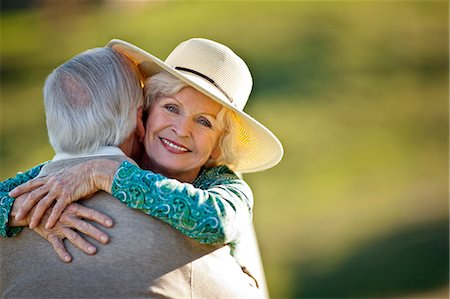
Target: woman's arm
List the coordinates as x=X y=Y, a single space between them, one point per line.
x=212 y=214
x=6 y=201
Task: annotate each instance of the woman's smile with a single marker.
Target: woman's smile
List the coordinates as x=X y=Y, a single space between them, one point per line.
x=181 y=134
x=173 y=147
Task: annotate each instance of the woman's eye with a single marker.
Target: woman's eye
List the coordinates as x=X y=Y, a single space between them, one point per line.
x=171 y=108
x=204 y=122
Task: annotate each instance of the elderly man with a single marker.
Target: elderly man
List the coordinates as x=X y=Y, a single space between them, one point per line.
x=92 y=107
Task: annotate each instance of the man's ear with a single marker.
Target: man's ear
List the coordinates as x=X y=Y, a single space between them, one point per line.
x=140 y=128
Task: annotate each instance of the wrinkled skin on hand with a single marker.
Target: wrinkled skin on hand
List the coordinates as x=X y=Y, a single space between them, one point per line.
x=71 y=225
x=64 y=187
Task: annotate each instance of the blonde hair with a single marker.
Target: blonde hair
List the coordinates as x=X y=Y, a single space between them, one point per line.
x=165 y=84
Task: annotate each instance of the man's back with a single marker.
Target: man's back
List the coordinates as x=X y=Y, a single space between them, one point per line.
x=145 y=258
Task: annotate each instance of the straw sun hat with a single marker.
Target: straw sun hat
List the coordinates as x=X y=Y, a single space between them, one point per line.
x=216 y=71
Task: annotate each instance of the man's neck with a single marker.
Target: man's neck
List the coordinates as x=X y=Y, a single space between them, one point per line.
x=101 y=151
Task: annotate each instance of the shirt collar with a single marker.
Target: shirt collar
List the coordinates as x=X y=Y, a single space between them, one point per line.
x=102 y=151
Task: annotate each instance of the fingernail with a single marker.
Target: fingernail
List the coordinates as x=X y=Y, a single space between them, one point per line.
x=19 y=215
x=104 y=239
x=91 y=249
x=67 y=258
x=48 y=225
x=109 y=222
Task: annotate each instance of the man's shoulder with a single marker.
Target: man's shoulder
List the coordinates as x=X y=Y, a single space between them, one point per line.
x=58 y=165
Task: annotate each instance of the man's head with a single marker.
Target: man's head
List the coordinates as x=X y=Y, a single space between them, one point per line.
x=91 y=101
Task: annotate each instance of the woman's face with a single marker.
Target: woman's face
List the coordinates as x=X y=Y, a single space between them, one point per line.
x=181 y=134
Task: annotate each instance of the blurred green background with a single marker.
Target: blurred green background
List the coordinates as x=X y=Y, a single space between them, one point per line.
x=357 y=91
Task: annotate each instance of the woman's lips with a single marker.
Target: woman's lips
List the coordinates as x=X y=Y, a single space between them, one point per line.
x=173 y=147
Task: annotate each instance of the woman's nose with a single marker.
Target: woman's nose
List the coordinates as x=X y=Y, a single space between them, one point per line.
x=182 y=127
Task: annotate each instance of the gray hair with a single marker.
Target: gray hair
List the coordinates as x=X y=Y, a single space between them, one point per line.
x=91 y=101
x=165 y=84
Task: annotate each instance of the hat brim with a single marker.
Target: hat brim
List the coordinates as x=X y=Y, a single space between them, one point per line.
x=259 y=148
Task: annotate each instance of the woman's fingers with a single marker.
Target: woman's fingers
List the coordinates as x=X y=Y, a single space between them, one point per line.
x=41 y=208
x=72 y=226
x=32 y=198
x=28 y=186
x=76 y=239
x=85 y=228
x=57 y=210
x=90 y=214
x=59 y=248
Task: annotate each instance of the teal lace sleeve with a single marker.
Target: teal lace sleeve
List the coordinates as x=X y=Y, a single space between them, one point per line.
x=6 y=202
x=212 y=210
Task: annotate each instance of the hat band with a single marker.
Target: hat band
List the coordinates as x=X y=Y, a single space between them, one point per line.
x=204 y=77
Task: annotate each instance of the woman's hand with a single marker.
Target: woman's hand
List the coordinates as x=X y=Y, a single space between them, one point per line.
x=71 y=226
x=64 y=187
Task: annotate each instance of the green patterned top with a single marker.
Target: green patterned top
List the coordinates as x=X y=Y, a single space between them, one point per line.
x=211 y=210
x=6 y=202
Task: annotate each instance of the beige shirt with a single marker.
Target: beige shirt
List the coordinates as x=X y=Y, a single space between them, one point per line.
x=145 y=258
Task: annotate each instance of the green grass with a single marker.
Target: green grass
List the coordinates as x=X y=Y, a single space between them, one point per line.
x=357 y=91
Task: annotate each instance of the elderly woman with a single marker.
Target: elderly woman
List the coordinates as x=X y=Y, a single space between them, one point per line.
x=196 y=136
